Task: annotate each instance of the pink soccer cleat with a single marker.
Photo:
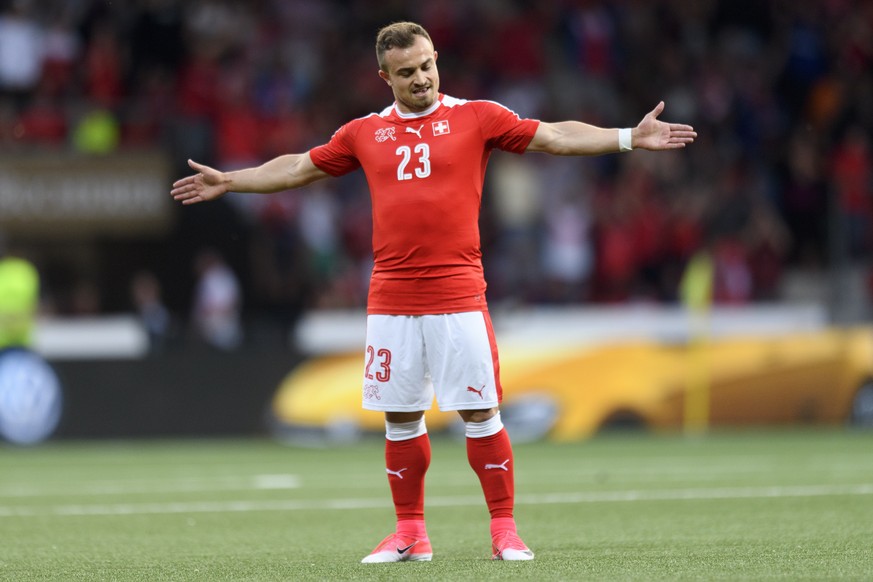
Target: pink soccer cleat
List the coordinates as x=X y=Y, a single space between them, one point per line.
x=508 y=546
x=400 y=548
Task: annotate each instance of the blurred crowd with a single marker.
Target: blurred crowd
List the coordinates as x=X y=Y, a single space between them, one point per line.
x=780 y=93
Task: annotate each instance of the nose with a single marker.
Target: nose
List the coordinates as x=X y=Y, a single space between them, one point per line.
x=419 y=78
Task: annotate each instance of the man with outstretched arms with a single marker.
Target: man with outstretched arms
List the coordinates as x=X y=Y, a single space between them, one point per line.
x=428 y=329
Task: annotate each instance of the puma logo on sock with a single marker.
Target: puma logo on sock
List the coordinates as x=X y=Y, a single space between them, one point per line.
x=395 y=473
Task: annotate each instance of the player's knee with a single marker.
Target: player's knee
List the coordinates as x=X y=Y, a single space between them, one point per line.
x=477 y=415
x=484 y=428
x=401 y=417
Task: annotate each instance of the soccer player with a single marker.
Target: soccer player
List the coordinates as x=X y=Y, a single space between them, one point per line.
x=428 y=328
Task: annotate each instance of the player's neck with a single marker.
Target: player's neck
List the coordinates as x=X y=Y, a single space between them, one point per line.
x=414 y=114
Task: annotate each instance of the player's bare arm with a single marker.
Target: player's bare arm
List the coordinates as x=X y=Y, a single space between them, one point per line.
x=574 y=138
x=281 y=173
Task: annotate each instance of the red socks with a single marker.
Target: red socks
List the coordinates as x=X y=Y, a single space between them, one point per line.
x=406 y=462
x=491 y=459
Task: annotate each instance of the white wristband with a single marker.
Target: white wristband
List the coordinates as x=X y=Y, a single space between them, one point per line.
x=624 y=140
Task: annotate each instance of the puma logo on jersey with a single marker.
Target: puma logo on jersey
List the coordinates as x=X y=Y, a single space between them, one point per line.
x=415 y=131
x=475 y=391
x=496 y=466
x=395 y=473
x=384 y=134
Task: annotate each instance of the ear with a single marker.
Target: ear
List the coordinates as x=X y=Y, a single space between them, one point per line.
x=435 y=55
x=385 y=77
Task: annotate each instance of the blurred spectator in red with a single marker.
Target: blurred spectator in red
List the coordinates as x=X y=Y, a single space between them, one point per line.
x=732 y=284
x=518 y=41
x=614 y=241
x=685 y=231
x=198 y=80
x=144 y=119
x=104 y=69
x=593 y=33
x=238 y=128
x=853 y=185
x=43 y=122
x=767 y=242
x=62 y=50
x=196 y=105
x=804 y=200
x=648 y=223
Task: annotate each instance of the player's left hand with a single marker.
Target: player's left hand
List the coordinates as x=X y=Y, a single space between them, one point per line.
x=653 y=134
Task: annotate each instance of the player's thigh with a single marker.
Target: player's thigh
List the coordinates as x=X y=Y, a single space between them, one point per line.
x=462 y=359
x=395 y=373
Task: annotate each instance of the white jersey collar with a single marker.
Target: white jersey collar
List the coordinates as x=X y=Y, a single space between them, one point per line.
x=437 y=102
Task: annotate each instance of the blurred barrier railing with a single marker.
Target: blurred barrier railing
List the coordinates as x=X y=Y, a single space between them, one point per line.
x=66 y=194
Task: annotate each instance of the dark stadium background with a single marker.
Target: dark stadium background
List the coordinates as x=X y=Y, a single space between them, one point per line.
x=120 y=94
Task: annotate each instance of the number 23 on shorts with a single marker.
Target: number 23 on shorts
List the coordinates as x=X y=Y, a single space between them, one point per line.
x=378 y=364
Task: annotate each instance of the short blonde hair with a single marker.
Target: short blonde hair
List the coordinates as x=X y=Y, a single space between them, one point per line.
x=397 y=35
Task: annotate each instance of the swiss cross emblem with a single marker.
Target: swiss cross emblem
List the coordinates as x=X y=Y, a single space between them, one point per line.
x=440 y=127
x=384 y=134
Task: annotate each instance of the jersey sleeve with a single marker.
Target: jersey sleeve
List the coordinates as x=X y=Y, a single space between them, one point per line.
x=503 y=129
x=337 y=156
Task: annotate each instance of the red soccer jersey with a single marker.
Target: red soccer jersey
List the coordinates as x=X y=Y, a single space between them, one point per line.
x=425 y=172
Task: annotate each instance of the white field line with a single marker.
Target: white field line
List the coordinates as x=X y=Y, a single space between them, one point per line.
x=182 y=485
x=726 y=493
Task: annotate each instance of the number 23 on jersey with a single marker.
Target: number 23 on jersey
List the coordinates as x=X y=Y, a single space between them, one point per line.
x=420 y=165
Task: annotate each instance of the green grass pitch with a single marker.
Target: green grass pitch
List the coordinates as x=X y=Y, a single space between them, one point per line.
x=761 y=505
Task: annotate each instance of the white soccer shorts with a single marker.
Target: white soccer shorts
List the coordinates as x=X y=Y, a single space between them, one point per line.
x=411 y=358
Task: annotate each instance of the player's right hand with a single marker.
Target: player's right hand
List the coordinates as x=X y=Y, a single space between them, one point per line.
x=207 y=184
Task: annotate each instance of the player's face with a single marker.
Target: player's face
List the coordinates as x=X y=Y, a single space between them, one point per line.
x=412 y=75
